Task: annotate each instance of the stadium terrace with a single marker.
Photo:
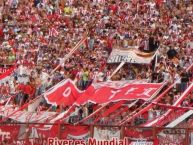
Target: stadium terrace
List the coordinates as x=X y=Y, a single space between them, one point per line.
x=116 y=72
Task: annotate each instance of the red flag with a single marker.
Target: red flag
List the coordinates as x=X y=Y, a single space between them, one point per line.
x=114 y=92
x=64 y=93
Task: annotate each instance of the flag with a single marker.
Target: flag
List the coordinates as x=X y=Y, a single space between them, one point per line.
x=65 y=93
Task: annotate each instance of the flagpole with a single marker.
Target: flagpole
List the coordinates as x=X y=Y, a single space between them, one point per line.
x=117 y=69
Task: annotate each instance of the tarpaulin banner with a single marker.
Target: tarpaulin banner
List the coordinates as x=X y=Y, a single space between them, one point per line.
x=6 y=72
x=106 y=94
x=64 y=131
x=25 y=116
x=27 y=135
x=66 y=93
x=138 y=133
x=172 y=136
x=9 y=133
x=130 y=56
x=75 y=132
x=166 y=117
x=104 y=133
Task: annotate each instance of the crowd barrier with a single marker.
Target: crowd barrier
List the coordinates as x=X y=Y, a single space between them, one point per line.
x=19 y=134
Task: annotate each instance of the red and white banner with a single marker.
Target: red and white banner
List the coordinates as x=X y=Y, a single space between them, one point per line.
x=172 y=136
x=66 y=93
x=75 y=132
x=25 y=116
x=102 y=133
x=5 y=73
x=65 y=132
x=9 y=133
x=4 y=70
x=135 y=134
x=112 y=93
x=15 y=134
x=166 y=117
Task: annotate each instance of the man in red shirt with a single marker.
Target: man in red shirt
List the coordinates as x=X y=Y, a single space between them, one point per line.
x=27 y=92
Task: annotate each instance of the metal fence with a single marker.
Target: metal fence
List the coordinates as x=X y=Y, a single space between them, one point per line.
x=27 y=134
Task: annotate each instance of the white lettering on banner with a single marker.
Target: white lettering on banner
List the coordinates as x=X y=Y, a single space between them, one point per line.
x=4 y=135
x=67 y=92
x=146 y=92
x=130 y=90
x=113 y=94
x=3 y=70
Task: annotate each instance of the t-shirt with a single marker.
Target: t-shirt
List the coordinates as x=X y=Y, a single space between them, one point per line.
x=28 y=89
x=67 y=10
x=85 y=76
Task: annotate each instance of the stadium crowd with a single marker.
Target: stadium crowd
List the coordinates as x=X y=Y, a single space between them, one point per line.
x=36 y=35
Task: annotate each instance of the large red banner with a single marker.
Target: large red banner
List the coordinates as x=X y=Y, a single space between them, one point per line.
x=66 y=92
x=9 y=133
x=4 y=72
x=64 y=131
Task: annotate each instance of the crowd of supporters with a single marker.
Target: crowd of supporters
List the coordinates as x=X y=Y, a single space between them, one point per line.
x=35 y=35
